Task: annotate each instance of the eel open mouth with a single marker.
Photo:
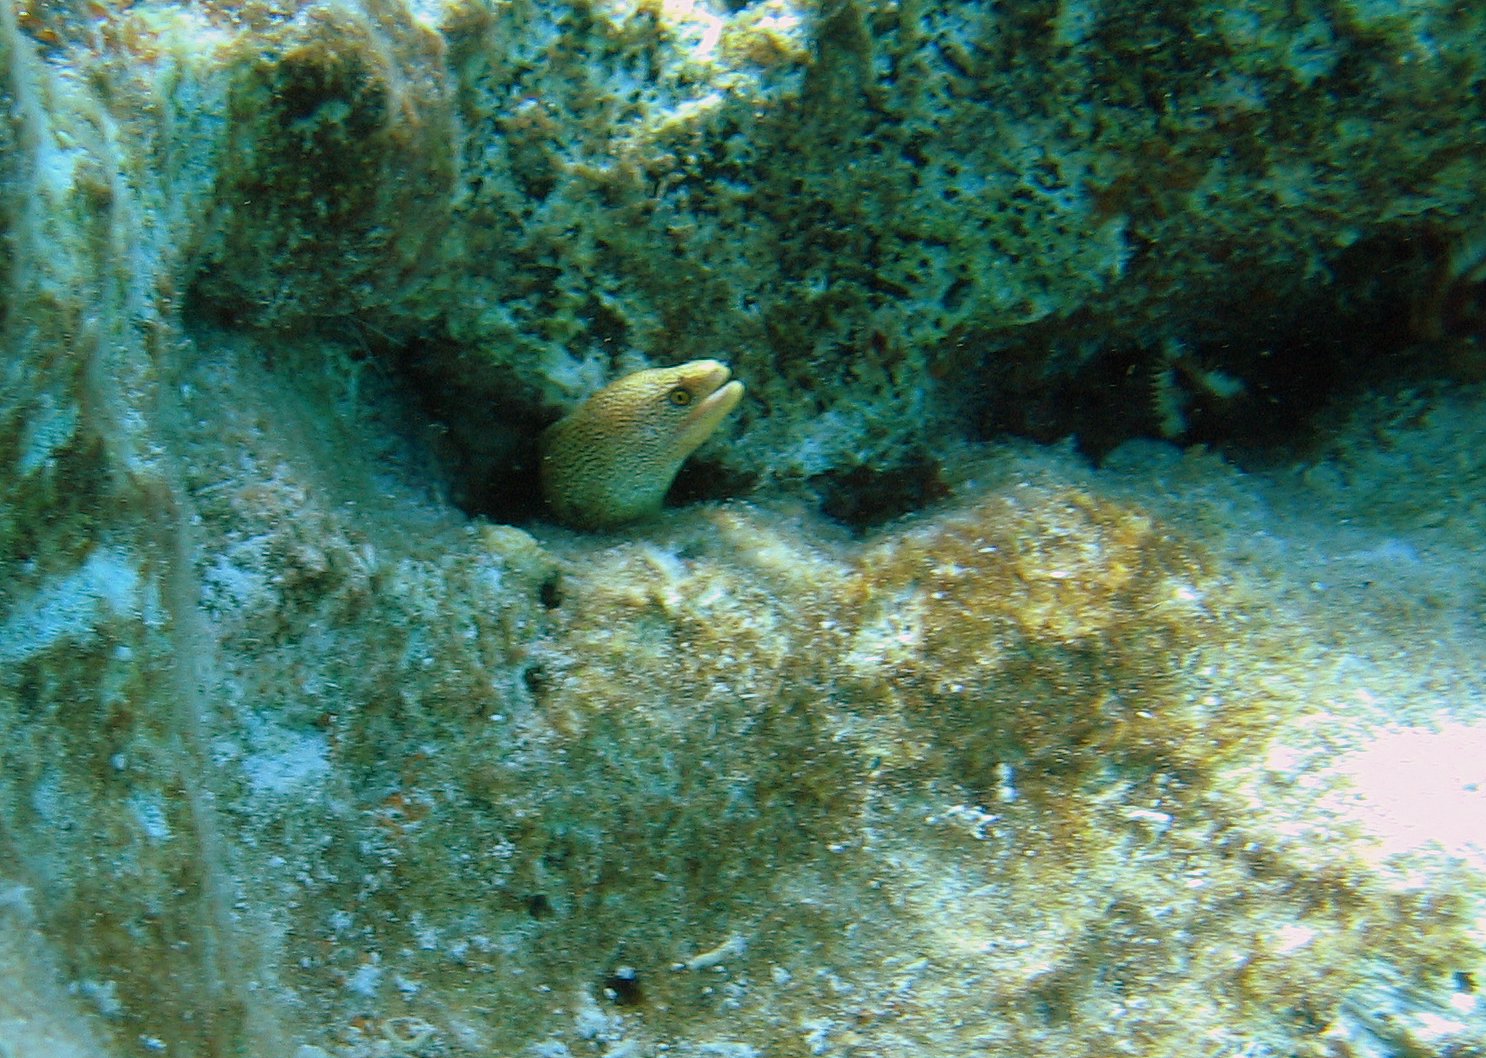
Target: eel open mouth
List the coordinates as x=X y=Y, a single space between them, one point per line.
x=705 y=415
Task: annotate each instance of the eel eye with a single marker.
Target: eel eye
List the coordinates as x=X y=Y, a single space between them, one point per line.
x=679 y=397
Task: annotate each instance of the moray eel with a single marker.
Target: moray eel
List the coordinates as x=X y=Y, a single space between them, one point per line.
x=611 y=460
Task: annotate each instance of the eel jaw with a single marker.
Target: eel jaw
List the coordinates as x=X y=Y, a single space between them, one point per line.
x=722 y=397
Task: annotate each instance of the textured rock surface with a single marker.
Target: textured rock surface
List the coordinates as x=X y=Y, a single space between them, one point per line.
x=906 y=222
x=300 y=759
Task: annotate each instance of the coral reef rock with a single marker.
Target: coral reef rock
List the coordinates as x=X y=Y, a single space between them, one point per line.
x=320 y=741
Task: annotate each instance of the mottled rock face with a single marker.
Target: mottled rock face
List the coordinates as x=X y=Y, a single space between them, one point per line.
x=907 y=224
x=337 y=171
x=1000 y=755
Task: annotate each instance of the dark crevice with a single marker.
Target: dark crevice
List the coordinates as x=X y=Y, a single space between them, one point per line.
x=1259 y=378
x=475 y=425
x=863 y=497
x=465 y=447
x=703 y=480
x=1263 y=378
x=489 y=442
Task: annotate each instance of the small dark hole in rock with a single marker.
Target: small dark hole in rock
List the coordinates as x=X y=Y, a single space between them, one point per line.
x=862 y=497
x=490 y=432
x=622 y=987
x=536 y=681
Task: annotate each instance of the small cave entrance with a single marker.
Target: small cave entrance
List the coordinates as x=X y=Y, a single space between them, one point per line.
x=1262 y=377
x=489 y=429
x=488 y=432
x=426 y=404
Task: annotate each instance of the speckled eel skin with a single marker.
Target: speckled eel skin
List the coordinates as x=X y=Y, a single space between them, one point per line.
x=611 y=460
